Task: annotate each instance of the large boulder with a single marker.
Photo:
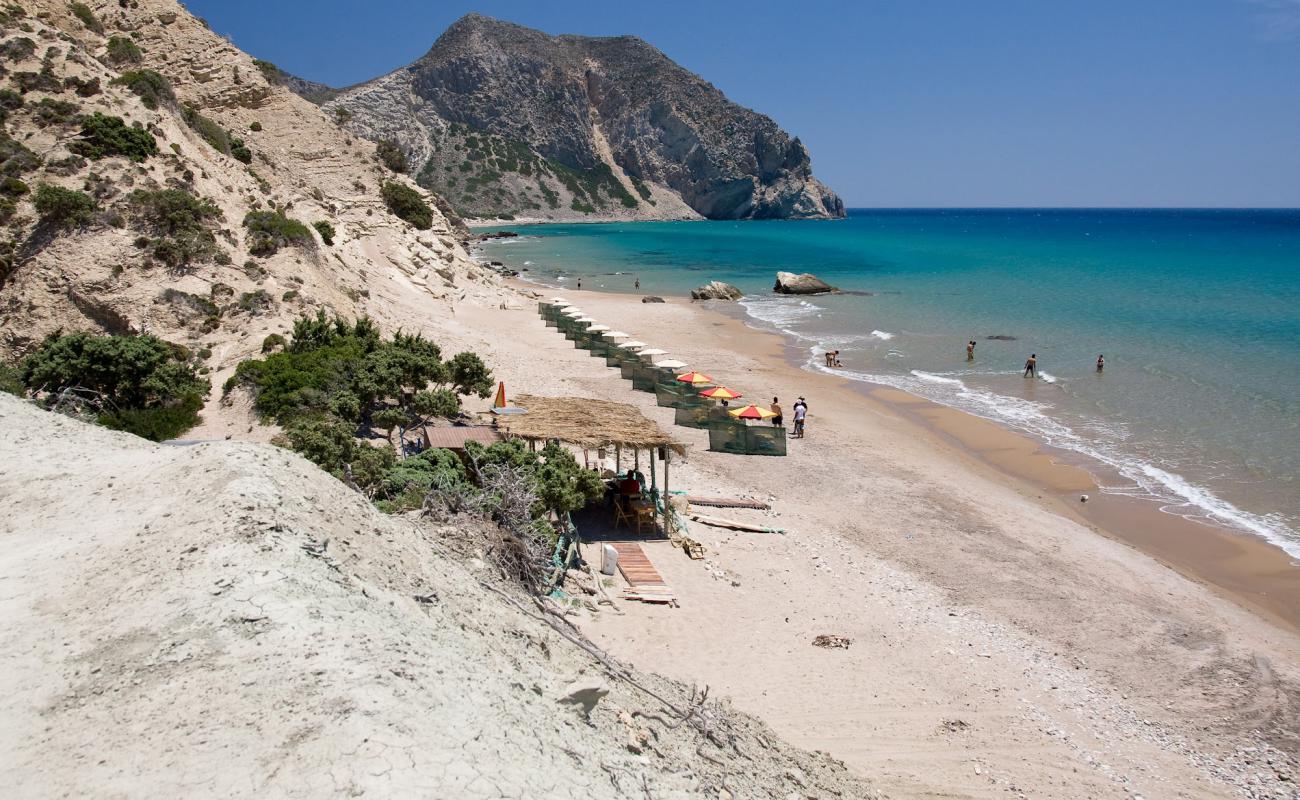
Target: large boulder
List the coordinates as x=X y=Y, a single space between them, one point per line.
x=807 y=283
x=716 y=290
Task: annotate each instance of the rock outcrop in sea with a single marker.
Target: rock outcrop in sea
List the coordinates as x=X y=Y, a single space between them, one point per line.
x=806 y=283
x=716 y=290
x=508 y=122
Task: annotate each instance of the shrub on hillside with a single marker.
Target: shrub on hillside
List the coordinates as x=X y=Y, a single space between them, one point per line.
x=325 y=230
x=122 y=50
x=152 y=88
x=407 y=204
x=268 y=231
x=83 y=88
x=11 y=380
x=140 y=384
x=12 y=187
x=15 y=158
x=19 y=48
x=391 y=155
x=82 y=12
x=63 y=208
x=55 y=112
x=180 y=222
x=102 y=135
x=218 y=137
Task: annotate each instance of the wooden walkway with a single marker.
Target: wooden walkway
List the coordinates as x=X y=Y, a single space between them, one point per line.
x=644 y=581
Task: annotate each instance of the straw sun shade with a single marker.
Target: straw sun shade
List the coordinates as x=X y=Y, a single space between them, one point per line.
x=572 y=312
x=751 y=411
x=587 y=423
x=633 y=345
x=671 y=364
x=720 y=393
x=653 y=351
x=695 y=378
x=598 y=328
x=617 y=335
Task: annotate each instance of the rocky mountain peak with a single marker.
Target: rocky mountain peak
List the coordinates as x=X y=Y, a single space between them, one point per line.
x=504 y=120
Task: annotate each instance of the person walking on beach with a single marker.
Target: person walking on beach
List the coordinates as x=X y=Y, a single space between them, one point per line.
x=636 y=284
x=776 y=409
x=1101 y=363
x=970 y=350
x=1031 y=366
x=800 y=413
x=579 y=283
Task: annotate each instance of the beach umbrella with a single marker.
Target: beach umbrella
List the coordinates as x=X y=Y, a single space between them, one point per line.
x=617 y=335
x=598 y=328
x=695 y=378
x=633 y=345
x=720 y=393
x=751 y=411
x=584 y=319
x=499 y=405
x=671 y=364
x=572 y=312
x=653 y=351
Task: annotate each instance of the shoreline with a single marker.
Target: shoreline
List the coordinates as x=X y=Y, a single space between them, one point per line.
x=991 y=625
x=1242 y=567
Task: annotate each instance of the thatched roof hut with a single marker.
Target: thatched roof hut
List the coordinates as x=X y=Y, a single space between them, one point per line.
x=587 y=423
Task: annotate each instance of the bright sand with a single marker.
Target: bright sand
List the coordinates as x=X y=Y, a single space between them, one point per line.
x=998 y=640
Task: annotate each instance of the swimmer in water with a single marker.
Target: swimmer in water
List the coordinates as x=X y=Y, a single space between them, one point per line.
x=1031 y=366
x=970 y=350
x=1101 y=363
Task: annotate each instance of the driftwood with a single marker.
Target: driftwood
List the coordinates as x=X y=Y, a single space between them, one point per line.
x=720 y=522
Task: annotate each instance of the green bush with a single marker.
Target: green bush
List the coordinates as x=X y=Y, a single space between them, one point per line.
x=254 y=126
x=102 y=136
x=132 y=374
x=180 y=221
x=55 y=112
x=272 y=342
x=407 y=204
x=218 y=137
x=12 y=187
x=83 y=88
x=122 y=50
x=63 y=208
x=325 y=230
x=255 y=302
x=11 y=380
x=152 y=88
x=17 y=49
x=391 y=155
x=15 y=158
x=268 y=231
x=82 y=12
x=8 y=207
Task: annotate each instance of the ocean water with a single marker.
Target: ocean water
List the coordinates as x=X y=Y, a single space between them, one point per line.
x=1196 y=311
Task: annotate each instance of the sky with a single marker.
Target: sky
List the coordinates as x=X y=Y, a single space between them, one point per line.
x=920 y=103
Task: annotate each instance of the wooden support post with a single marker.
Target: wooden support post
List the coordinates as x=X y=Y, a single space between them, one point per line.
x=618 y=459
x=668 y=457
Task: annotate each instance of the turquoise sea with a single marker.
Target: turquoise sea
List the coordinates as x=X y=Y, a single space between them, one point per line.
x=1196 y=311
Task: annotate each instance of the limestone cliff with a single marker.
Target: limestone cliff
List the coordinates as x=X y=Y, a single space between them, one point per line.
x=502 y=119
x=215 y=131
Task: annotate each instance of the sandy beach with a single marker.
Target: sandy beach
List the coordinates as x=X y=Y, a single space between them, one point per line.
x=1004 y=639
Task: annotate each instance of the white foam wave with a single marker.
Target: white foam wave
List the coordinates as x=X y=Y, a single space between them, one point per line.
x=1046 y=377
x=884 y=336
x=1176 y=494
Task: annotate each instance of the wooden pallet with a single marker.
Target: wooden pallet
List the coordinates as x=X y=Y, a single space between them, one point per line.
x=727 y=502
x=644 y=581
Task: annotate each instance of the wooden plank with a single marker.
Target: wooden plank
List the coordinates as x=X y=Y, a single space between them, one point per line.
x=727 y=502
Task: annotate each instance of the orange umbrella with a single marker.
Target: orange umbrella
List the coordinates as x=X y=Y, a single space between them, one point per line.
x=500 y=402
x=751 y=411
x=695 y=378
x=720 y=393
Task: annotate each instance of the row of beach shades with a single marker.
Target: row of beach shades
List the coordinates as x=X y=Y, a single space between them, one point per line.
x=694 y=396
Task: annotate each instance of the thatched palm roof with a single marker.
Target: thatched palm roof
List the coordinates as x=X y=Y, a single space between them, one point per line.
x=586 y=423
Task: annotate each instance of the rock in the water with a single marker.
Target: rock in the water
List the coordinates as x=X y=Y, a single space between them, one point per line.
x=652 y=299
x=807 y=283
x=716 y=290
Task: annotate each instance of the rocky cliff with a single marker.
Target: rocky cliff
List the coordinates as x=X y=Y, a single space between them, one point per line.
x=161 y=138
x=502 y=119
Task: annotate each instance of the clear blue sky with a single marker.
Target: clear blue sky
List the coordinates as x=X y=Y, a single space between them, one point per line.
x=921 y=102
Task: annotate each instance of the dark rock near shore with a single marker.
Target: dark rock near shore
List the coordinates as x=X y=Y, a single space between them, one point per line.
x=807 y=283
x=652 y=299
x=716 y=290
x=1000 y=337
x=483 y=237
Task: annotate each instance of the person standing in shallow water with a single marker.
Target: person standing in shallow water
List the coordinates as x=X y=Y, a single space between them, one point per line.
x=970 y=350
x=636 y=284
x=1031 y=366
x=1101 y=363
x=579 y=283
